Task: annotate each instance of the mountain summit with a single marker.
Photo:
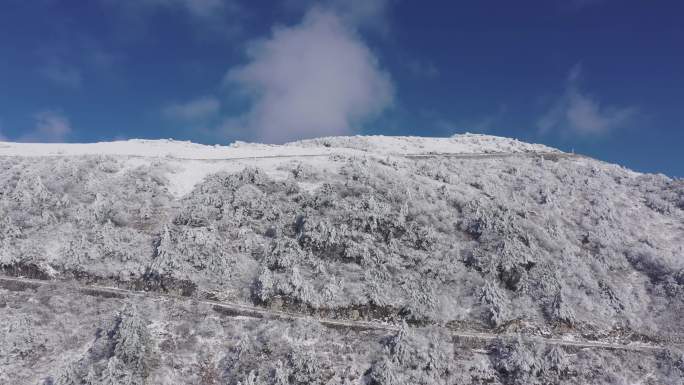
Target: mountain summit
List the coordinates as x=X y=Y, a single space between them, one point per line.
x=378 y=260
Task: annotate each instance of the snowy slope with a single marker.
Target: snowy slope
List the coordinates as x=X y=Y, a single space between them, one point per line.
x=523 y=240
x=397 y=145
x=153 y=148
x=466 y=144
x=189 y=163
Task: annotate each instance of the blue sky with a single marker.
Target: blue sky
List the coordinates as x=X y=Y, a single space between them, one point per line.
x=602 y=77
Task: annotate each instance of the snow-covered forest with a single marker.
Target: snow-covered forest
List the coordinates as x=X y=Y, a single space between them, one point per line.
x=525 y=240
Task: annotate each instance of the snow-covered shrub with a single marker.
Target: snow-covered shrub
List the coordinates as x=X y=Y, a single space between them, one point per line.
x=658 y=204
x=648 y=261
x=556 y=363
x=183 y=252
x=263 y=286
x=438 y=172
x=17 y=339
x=305 y=368
x=88 y=214
x=119 y=355
x=671 y=363
x=517 y=363
x=383 y=372
x=422 y=356
x=560 y=310
x=496 y=304
x=132 y=342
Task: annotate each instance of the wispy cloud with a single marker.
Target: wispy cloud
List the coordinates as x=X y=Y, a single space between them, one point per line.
x=102 y=61
x=364 y=14
x=71 y=59
x=55 y=57
x=220 y=18
x=198 y=8
x=576 y=112
x=194 y=110
x=50 y=126
x=368 y=14
x=62 y=75
x=422 y=68
x=316 y=78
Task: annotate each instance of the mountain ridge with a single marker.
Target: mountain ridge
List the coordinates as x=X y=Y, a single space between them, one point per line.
x=545 y=243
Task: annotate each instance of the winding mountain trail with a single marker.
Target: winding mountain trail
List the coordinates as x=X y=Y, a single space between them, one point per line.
x=231 y=309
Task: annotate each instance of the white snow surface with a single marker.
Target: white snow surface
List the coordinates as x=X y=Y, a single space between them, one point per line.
x=382 y=145
x=402 y=145
x=189 y=163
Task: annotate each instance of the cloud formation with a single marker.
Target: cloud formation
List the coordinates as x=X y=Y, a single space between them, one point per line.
x=206 y=9
x=198 y=109
x=50 y=127
x=365 y=14
x=576 y=112
x=62 y=75
x=208 y=17
x=422 y=68
x=313 y=79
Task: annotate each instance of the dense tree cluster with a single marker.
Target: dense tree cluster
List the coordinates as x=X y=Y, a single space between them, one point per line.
x=572 y=243
x=56 y=336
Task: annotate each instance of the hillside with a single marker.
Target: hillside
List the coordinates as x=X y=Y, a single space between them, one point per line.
x=376 y=260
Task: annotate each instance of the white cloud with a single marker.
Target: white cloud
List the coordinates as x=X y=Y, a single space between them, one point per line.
x=367 y=14
x=102 y=61
x=364 y=13
x=50 y=126
x=198 y=8
x=316 y=78
x=578 y=113
x=209 y=18
x=193 y=110
x=425 y=69
x=62 y=75
x=59 y=62
x=70 y=59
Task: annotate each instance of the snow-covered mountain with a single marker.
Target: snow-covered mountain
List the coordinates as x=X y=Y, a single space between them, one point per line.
x=340 y=260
